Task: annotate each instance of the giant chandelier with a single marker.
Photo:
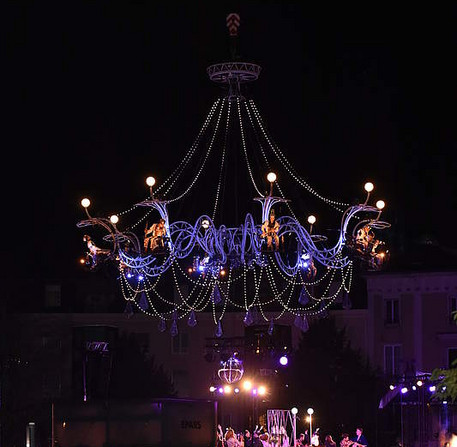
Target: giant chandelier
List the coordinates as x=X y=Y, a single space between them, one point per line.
x=267 y=266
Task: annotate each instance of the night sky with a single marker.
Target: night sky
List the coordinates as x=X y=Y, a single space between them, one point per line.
x=100 y=95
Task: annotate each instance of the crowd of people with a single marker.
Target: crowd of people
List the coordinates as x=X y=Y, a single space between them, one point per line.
x=261 y=438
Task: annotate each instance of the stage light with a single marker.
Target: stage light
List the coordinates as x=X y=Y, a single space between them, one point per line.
x=227 y=389
x=150 y=181
x=221 y=390
x=404 y=390
x=369 y=186
x=294 y=410
x=129 y=275
x=432 y=388
x=212 y=389
x=419 y=383
x=414 y=388
x=312 y=219
x=254 y=391
x=310 y=411
x=190 y=270
x=85 y=203
x=222 y=272
x=114 y=219
x=262 y=390
x=284 y=360
x=247 y=385
x=140 y=277
x=236 y=390
x=392 y=387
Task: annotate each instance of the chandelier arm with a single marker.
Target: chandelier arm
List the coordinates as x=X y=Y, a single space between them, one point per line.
x=181 y=166
x=221 y=171
x=243 y=143
x=189 y=188
x=285 y=162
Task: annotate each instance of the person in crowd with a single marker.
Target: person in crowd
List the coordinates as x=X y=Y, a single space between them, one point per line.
x=359 y=439
x=329 y=442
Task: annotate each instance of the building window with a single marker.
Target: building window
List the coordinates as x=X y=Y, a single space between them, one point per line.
x=180 y=343
x=52 y=295
x=451 y=357
x=452 y=307
x=392 y=360
x=392 y=311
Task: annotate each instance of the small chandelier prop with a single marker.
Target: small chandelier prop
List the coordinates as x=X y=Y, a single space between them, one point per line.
x=269 y=263
x=231 y=371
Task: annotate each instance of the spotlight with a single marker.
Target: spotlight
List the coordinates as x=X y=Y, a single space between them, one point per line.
x=284 y=360
x=227 y=389
x=254 y=391
x=247 y=385
x=221 y=390
x=262 y=390
x=236 y=390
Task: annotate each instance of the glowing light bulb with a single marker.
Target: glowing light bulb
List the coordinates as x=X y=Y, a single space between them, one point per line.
x=369 y=186
x=227 y=389
x=271 y=177
x=212 y=389
x=310 y=411
x=380 y=204
x=294 y=410
x=283 y=360
x=114 y=219
x=391 y=387
x=262 y=390
x=150 y=181
x=419 y=383
x=85 y=203
x=312 y=219
x=82 y=261
x=205 y=223
x=247 y=385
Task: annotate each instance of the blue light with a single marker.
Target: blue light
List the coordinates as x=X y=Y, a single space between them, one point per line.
x=284 y=360
x=129 y=275
x=140 y=277
x=201 y=268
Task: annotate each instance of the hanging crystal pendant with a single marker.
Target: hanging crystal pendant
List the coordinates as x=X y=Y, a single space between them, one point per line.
x=248 y=318
x=216 y=297
x=219 y=330
x=192 y=321
x=162 y=326
x=174 y=328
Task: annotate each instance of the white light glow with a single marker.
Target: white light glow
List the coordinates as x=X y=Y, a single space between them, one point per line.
x=369 y=186
x=150 y=181
x=311 y=219
x=380 y=204
x=85 y=203
x=114 y=219
x=271 y=177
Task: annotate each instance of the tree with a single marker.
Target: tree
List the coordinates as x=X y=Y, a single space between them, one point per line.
x=326 y=373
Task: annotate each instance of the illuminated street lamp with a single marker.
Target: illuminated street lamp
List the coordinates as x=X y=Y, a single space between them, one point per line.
x=294 y=412
x=310 y=411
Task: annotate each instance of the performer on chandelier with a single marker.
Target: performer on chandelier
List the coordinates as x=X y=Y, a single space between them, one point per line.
x=270 y=229
x=154 y=236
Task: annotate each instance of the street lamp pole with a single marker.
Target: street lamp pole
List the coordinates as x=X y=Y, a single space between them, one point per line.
x=310 y=411
x=294 y=412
